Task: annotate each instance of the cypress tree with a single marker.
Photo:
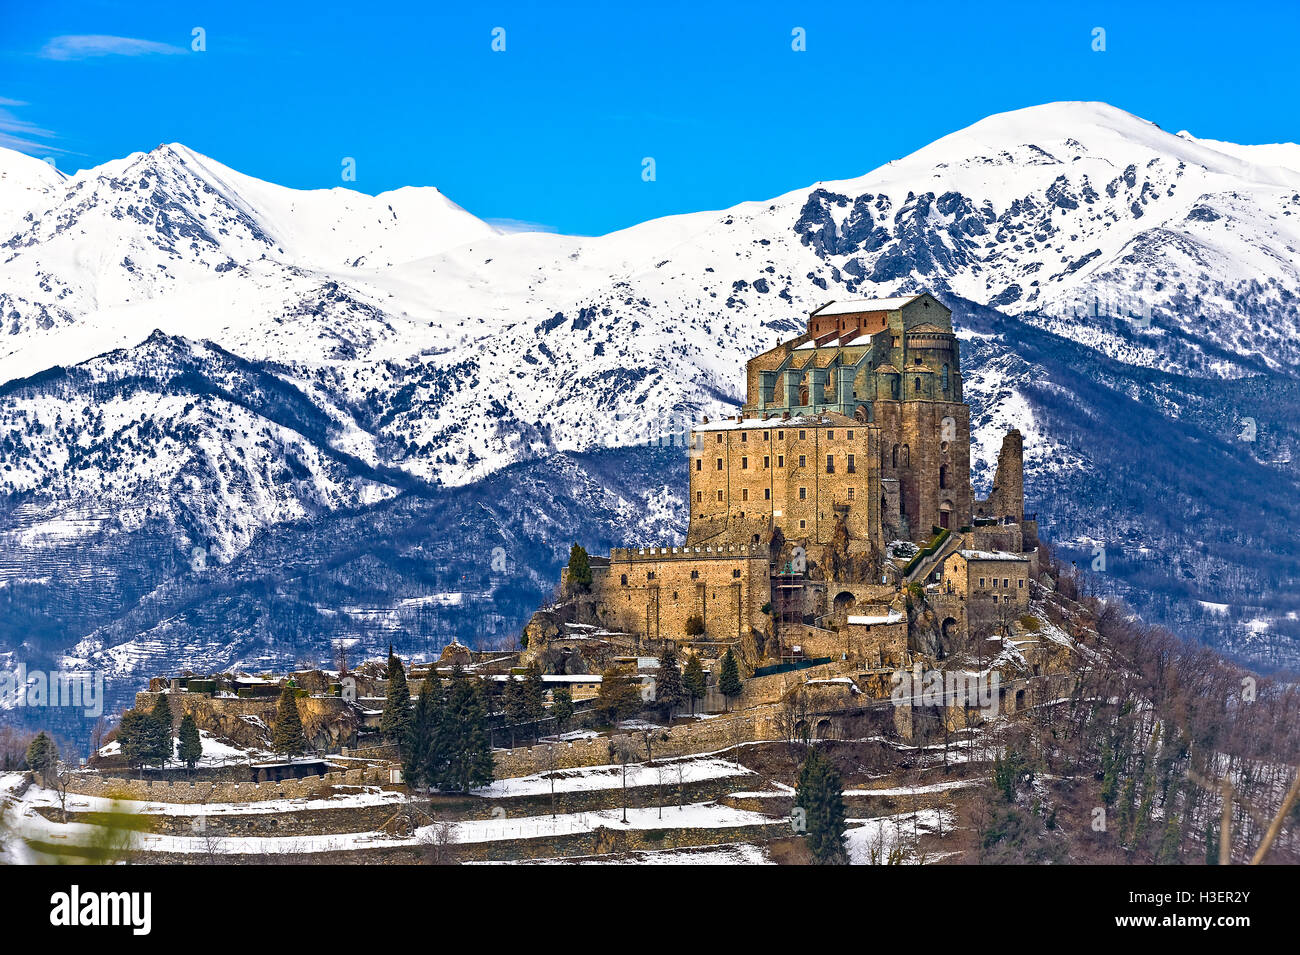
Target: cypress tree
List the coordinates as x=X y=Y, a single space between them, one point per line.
x=820 y=796
x=288 y=737
x=42 y=757
x=534 y=694
x=729 y=680
x=694 y=681
x=395 y=720
x=190 y=748
x=579 y=576
x=669 y=688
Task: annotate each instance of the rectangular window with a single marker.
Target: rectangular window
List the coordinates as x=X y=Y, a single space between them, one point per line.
x=719 y=439
x=851 y=490
x=744 y=437
x=803 y=494
x=780 y=436
x=852 y=469
x=719 y=464
x=780 y=460
x=803 y=435
x=744 y=494
x=744 y=464
x=803 y=460
x=802 y=525
x=981 y=581
x=830 y=464
x=699 y=497
x=850 y=435
x=1021 y=583
x=1006 y=584
x=767 y=494
x=699 y=464
x=830 y=435
x=719 y=495
x=767 y=435
x=767 y=460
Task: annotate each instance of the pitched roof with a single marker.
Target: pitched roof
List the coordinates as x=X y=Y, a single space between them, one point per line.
x=852 y=306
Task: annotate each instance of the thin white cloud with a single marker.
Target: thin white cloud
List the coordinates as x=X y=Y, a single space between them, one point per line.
x=19 y=134
x=85 y=46
x=519 y=225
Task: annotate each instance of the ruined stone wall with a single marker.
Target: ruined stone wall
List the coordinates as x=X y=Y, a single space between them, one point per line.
x=196 y=792
x=1007 y=498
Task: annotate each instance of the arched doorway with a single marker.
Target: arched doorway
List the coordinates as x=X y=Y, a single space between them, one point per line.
x=843 y=601
x=824 y=729
x=949 y=629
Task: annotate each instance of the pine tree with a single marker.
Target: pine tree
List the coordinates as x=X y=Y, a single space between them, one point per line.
x=729 y=679
x=135 y=737
x=395 y=720
x=466 y=741
x=190 y=748
x=694 y=680
x=514 y=700
x=160 y=745
x=669 y=689
x=561 y=707
x=288 y=737
x=42 y=757
x=578 y=579
x=819 y=796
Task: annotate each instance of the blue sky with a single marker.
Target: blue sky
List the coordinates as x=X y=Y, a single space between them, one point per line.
x=554 y=130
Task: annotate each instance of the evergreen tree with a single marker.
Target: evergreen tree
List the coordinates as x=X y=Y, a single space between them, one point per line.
x=161 y=747
x=189 y=750
x=467 y=745
x=419 y=755
x=694 y=680
x=515 y=702
x=288 y=737
x=669 y=688
x=135 y=737
x=618 y=696
x=395 y=720
x=561 y=707
x=42 y=757
x=819 y=796
x=579 y=576
x=534 y=696
x=729 y=679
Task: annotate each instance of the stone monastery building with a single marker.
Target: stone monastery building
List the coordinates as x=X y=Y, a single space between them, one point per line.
x=844 y=478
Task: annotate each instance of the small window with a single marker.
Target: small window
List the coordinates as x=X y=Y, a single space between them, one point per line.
x=1006 y=583
x=695 y=575
x=735 y=573
x=851 y=467
x=851 y=490
x=803 y=460
x=719 y=495
x=719 y=464
x=851 y=433
x=744 y=495
x=780 y=460
x=767 y=494
x=1021 y=583
x=803 y=435
x=744 y=464
x=830 y=464
x=767 y=435
x=699 y=464
x=649 y=575
x=780 y=436
x=744 y=437
x=767 y=461
x=625 y=580
x=830 y=435
x=699 y=497
x=803 y=494
x=719 y=439
x=981 y=581
x=802 y=525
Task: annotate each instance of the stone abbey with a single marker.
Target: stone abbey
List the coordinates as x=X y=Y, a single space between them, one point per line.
x=843 y=481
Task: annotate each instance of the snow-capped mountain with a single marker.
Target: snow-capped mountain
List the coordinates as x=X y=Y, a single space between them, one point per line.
x=204 y=361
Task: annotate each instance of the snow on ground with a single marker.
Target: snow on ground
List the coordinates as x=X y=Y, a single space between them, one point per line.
x=215 y=752
x=871 y=841
x=915 y=790
x=738 y=853
x=611 y=777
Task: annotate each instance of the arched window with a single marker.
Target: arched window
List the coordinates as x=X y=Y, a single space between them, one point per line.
x=894 y=462
x=916 y=387
x=893 y=386
x=907 y=457
x=943 y=476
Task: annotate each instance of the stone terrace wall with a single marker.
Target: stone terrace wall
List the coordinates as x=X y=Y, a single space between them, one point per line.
x=702 y=737
x=180 y=791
